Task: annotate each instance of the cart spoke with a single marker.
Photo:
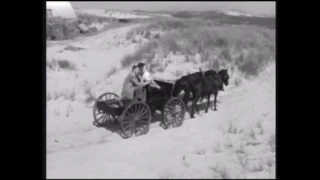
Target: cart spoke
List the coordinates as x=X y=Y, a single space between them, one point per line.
x=144 y=112
x=135 y=108
x=141 y=124
x=107 y=117
x=140 y=108
x=175 y=103
x=130 y=110
x=176 y=112
x=129 y=115
x=167 y=110
x=128 y=126
x=141 y=112
x=101 y=116
x=144 y=117
x=97 y=114
x=128 y=119
x=145 y=120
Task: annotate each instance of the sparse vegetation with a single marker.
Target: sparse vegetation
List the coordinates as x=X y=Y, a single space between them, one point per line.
x=178 y=73
x=72 y=95
x=259 y=126
x=56 y=95
x=165 y=175
x=221 y=172
x=103 y=139
x=90 y=96
x=243 y=160
x=111 y=72
x=201 y=151
x=241 y=150
x=157 y=36
x=53 y=96
x=185 y=162
x=272 y=143
x=225 y=54
x=252 y=134
x=257 y=168
x=217 y=148
x=237 y=81
x=147 y=35
x=228 y=143
x=61 y=64
x=253 y=45
x=232 y=129
x=64 y=64
x=73 y=48
x=270 y=162
x=253 y=143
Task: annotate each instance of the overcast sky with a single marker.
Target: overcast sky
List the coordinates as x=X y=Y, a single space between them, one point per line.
x=257 y=7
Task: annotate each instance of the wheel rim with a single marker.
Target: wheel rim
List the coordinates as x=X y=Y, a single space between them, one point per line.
x=101 y=118
x=173 y=113
x=136 y=119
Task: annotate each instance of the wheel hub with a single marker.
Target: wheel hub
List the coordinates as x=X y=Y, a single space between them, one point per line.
x=136 y=118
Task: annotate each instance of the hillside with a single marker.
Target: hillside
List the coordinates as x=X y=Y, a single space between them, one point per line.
x=229 y=17
x=237 y=141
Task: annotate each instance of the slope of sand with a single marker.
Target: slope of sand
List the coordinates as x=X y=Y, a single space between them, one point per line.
x=204 y=147
x=237 y=141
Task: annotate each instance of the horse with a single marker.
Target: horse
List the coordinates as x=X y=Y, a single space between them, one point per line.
x=187 y=81
x=209 y=85
x=213 y=74
x=184 y=84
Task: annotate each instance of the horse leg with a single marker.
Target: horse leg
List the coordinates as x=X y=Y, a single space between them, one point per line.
x=186 y=96
x=201 y=98
x=193 y=106
x=197 y=107
x=208 y=103
x=215 y=100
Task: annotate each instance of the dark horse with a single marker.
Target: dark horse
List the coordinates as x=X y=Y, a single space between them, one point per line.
x=201 y=85
x=207 y=86
x=185 y=83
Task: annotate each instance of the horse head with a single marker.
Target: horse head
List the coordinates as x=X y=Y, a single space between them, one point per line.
x=224 y=76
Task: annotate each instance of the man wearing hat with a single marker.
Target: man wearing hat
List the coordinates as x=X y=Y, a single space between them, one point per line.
x=133 y=89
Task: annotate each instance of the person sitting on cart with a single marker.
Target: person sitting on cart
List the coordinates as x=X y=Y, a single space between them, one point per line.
x=133 y=89
x=146 y=76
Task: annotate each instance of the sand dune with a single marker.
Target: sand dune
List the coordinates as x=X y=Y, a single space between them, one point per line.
x=237 y=141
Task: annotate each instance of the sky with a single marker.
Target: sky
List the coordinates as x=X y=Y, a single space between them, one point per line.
x=256 y=7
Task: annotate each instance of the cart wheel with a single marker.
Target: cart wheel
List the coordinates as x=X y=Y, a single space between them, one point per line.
x=101 y=118
x=173 y=113
x=135 y=118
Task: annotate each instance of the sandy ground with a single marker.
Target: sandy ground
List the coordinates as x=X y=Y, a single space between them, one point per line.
x=237 y=141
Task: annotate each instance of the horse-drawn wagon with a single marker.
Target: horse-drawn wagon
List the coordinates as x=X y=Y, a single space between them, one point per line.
x=135 y=117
